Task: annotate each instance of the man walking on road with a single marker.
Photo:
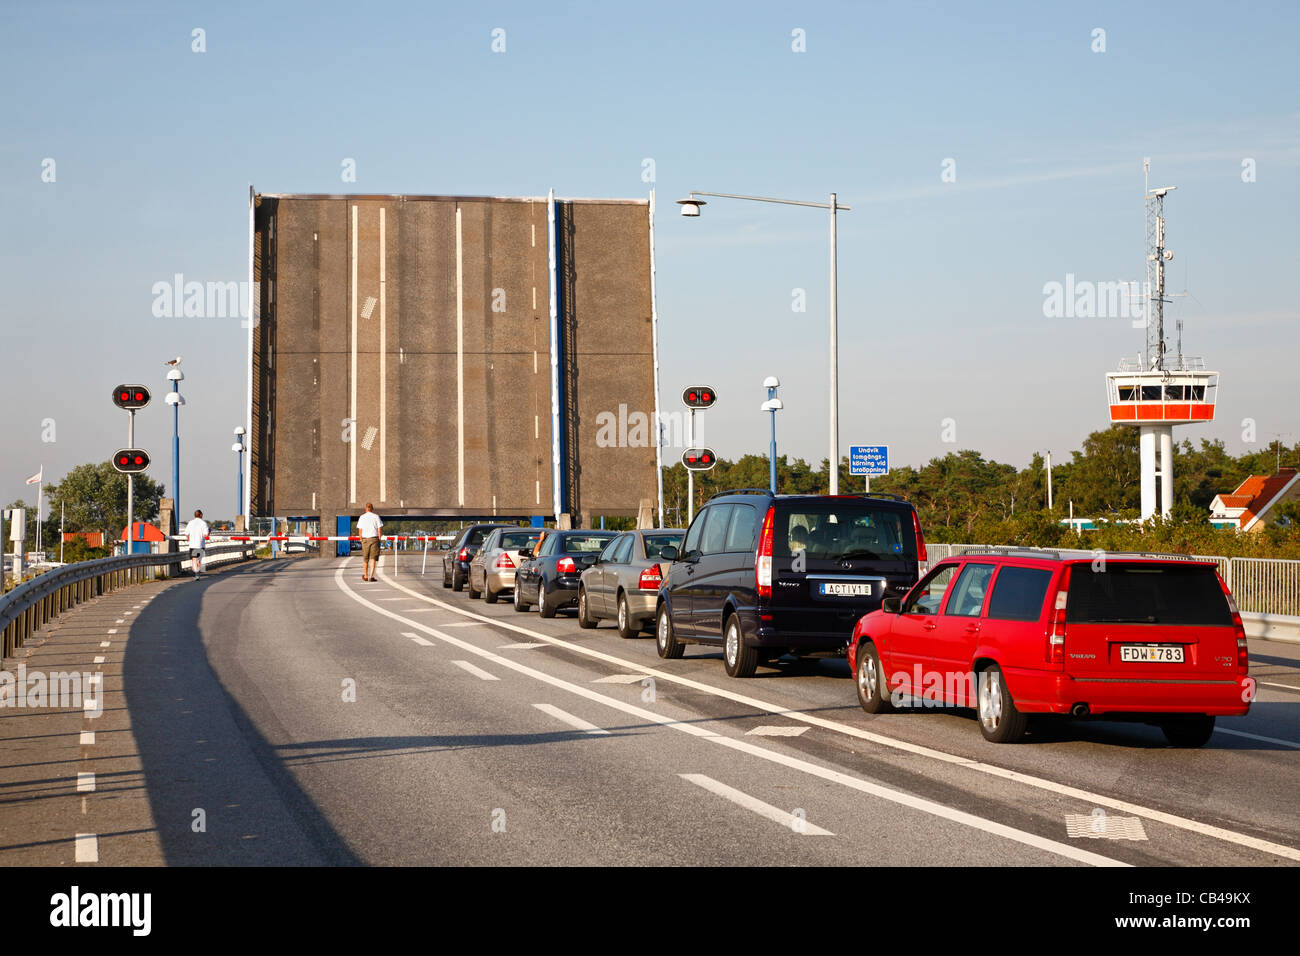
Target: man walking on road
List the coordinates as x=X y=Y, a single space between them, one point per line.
x=197 y=534
x=368 y=525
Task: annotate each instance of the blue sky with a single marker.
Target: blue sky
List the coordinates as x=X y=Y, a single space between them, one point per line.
x=941 y=283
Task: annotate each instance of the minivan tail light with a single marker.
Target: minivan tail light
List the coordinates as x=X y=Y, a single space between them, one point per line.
x=566 y=566
x=650 y=579
x=922 y=559
x=1056 y=639
x=503 y=562
x=763 y=557
x=1243 y=650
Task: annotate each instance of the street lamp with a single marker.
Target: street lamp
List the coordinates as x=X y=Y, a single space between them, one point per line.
x=174 y=399
x=238 y=449
x=691 y=208
x=773 y=405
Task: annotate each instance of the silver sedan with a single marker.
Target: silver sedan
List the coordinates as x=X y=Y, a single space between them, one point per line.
x=493 y=568
x=624 y=582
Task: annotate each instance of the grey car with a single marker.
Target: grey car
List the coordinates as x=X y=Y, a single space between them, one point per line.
x=493 y=569
x=624 y=582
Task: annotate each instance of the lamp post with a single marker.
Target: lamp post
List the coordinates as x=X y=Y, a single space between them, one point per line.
x=175 y=400
x=691 y=208
x=773 y=405
x=238 y=449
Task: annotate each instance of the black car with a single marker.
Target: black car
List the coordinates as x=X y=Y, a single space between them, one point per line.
x=548 y=575
x=455 y=563
x=763 y=575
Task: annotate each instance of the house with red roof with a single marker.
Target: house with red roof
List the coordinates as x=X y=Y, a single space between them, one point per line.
x=1247 y=508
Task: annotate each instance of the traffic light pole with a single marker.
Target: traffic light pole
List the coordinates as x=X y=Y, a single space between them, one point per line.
x=130 y=485
x=690 y=475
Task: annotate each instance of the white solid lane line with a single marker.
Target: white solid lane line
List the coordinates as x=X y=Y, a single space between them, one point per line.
x=478 y=672
x=1271 y=740
x=569 y=719
x=1065 y=790
x=87 y=845
x=515 y=647
x=1290 y=687
x=794 y=822
x=794 y=763
x=423 y=642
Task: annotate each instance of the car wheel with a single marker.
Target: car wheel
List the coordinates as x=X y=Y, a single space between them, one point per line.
x=544 y=607
x=518 y=598
x=740 y=659
x=1000 y=722
x=446 y=578
x=625 y=628
x=583 y=620
x=457 y=583
x=469 y=586
x=489 y=595
x=1192 y=730
x=873 y=692
x=665 y=639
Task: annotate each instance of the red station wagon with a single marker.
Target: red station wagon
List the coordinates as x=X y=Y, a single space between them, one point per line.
x=1012 y=633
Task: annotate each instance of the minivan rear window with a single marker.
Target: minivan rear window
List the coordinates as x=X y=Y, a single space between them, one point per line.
x=1142 y=593
x=844 y=528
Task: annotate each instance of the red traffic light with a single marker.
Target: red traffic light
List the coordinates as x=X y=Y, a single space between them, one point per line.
x=699 y=396
x=699 y=459
x=130 y=397
x=131 y=461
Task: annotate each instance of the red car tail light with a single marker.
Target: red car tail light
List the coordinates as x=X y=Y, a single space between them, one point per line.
x=464 y=555
x=763 y=558
x=566 y=566
x=922 y=559
x=503 y=562
x=1056 y=639
x=650 y=579
x=1243 y=650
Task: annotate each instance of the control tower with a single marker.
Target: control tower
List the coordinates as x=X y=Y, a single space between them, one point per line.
x=1159 y=390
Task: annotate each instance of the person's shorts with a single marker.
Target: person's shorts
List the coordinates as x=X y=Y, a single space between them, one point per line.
x=370 y=549
x=196 y=552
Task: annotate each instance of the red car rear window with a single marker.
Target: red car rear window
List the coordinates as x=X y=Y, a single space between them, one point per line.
x=1147 y=594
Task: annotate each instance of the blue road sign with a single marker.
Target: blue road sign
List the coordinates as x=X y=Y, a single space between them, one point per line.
x=869 y=460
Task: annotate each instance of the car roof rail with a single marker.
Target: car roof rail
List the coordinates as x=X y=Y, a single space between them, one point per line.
x=1011 y=551
x=880 y=494
x=740 y=491
x=1157 y=554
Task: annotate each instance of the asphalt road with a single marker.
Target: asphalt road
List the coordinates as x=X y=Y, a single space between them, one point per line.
x=302 y=716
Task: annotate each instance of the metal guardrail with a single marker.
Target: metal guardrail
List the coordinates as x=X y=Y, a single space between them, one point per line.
x=1267 y=590
x=33 y=603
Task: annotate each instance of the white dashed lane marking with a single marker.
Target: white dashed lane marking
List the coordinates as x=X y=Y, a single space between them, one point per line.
x=620 y=679
x=794 y=822
x=478 y=672
x=775 y=731
x=87 y=738
x=87 y=848
x=569 y=719
x=85 y=782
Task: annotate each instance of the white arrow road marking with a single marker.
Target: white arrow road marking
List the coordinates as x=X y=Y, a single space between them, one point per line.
x=620 y=679
x=569 y=719
x=776 y=731
x=423 y=642
x=775 y=814
x=744 y=746
x=1029 y=780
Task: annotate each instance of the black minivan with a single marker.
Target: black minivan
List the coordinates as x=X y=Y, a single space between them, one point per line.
x=763 y=575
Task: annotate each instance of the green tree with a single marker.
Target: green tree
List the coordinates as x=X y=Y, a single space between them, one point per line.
x=94 y=499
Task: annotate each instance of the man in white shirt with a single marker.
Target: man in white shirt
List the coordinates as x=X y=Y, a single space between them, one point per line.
x=368 y=526
x=196 y=533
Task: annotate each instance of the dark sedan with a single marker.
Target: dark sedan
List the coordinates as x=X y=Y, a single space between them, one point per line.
x=548 y=576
